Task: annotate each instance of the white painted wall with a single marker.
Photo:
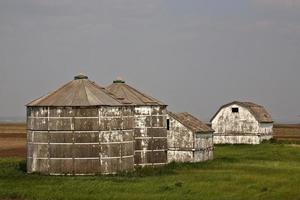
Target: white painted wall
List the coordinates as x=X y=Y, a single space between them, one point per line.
x=265 y=128
x=179 y=136
x=226 y=122
x=180 y=156
x=187 y=146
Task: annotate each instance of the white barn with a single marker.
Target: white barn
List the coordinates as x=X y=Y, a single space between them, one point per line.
x=242 y=123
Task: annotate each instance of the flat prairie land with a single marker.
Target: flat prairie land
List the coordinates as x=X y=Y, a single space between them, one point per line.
x=267 y=171
x=288 y=132
x=12 y=140
x=12 y=128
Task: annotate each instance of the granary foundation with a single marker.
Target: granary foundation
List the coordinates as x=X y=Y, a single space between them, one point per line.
x=192 y=155
x=240 y=139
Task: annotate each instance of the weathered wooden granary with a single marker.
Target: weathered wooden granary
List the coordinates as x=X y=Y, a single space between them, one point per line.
x=80 y=129
x=189 y=139
x=150 y=131
x=242 y=123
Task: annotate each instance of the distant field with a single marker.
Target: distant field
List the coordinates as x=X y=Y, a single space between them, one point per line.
x=12 y=128
x=266 y=171
x=12 y=139
x=289 y=132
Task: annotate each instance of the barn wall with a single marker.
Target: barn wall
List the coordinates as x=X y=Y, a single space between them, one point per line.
x=179 y=137
x=266 y=129
x=203 y=147
x=241 y=127
x=68 y=140
x=180 y=142
x=150 y=135
x=228 y=123
x=180 y=155
x=236 y=139
x=186 y=146
x=203 y=155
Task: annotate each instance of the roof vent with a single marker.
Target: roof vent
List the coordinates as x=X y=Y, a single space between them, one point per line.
x=119 y=80
x=80 y=76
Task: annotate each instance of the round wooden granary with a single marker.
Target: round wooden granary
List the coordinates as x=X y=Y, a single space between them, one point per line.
x=79 y=129
x=150 y=124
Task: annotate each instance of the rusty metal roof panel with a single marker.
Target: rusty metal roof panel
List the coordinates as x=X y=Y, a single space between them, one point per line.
x=129 y=95
x=261 y=114
x=78 y=92
x=258 y=111
x=191 y=122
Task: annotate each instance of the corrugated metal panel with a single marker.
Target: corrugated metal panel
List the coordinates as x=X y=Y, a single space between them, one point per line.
x=79 y=92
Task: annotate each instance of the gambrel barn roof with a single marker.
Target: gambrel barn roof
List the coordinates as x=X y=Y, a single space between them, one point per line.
x=129 y=95
x=78 y=92
x=191 y=122
x=258 y=111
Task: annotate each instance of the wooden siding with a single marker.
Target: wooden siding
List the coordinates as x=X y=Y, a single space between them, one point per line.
x=150 y=135
x=184 y=145
x=66 y=140
x=240 y=127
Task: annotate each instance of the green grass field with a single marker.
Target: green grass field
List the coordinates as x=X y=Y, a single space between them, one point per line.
x=266 y=171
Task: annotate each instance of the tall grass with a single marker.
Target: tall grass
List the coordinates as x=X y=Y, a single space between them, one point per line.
x=267 y=171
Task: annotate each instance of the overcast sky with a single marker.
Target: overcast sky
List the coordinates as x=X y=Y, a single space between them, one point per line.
x=194 y=55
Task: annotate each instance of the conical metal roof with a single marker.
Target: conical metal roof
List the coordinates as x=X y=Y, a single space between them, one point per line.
x=78 y=92
x=129 y=95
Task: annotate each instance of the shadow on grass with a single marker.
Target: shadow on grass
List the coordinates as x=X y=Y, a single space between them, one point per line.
x=172 y=168
x=168 y=169
x=22 y=166
x=148 y=171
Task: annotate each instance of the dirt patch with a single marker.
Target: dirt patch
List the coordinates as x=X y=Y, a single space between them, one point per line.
x=17 y=152
x=297 y=126
x=12 y=145
x=12 y=135
x=287 y=132
x=12 y=128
